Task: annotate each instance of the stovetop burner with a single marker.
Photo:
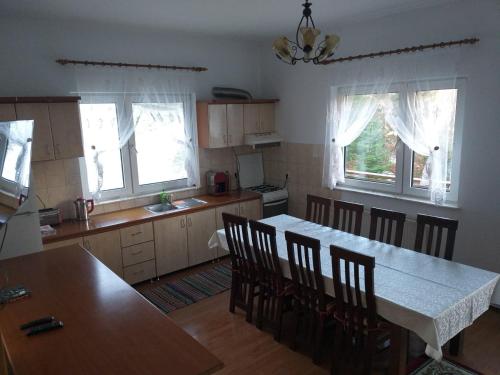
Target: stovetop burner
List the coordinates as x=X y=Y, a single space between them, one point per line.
x=264 y=188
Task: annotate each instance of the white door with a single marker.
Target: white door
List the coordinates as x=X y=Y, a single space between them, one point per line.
x=171 y=244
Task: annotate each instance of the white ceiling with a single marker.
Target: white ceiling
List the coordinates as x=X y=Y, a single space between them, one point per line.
x=254 y=18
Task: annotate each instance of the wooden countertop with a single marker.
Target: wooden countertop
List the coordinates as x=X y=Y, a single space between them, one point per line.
x=119 y=219
x=109 y=328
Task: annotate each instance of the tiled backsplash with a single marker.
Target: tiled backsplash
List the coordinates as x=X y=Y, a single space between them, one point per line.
x=58 y=182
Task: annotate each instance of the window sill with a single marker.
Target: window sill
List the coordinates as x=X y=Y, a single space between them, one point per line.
x=132 y=197
x=451 y=205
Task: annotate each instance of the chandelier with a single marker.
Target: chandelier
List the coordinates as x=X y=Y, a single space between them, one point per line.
x=305 y=39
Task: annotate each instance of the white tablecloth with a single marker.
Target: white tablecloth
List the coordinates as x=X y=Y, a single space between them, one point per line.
x=432 y=297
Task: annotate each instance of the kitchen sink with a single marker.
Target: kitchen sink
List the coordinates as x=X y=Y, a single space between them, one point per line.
x=180 y=204
x=160 y=207
x=189 y=202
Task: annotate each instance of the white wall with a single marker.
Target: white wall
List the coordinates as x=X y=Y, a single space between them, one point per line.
x=303 y=91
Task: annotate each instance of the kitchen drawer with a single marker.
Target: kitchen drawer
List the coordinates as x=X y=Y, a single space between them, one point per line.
x=140 y=272
x=136 y=234
x=138 y=253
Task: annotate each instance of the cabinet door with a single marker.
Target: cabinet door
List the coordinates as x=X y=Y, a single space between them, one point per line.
x=201 y=226
x=106 y=247
x=230 y=208
x=217 y=125
x=66 y=130
x=235 y=132
x=171 y=244
x=43 y=147
x=251 y=118
x=251 y=209
x=7 y=112
x=58 y=244
x=266 y=118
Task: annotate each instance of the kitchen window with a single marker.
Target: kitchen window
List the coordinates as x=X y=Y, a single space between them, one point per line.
x=154 y=156
x=378 y=160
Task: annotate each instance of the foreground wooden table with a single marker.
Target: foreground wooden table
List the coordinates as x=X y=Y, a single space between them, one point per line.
x=108 y=327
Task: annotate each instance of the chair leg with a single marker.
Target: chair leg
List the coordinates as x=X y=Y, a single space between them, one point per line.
x=249 y=302
x=295 y=325
x=260 y=307
x=369 y=351
x=234 y=291
x=338 y=346
x=278 y=319
x=318 y=339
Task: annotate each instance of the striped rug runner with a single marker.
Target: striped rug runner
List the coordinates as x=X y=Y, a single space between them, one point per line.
x=190 y=289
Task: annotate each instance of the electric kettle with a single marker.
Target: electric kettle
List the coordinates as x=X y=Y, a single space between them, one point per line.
x=83 y=207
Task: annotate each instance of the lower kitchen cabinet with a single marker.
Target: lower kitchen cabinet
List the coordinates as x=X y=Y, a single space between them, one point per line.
x=200 y=227
x=171 y=244
x=106 y=247
x=58 y=244
x=252 y=210
x=139 y=272
x=233 y=209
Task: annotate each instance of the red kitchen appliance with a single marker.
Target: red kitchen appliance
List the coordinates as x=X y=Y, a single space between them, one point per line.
x=218 y=183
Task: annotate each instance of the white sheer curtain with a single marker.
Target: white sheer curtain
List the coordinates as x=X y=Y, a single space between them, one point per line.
x=348 y=115
x=421 y=120
x=424 y=127
x=158 y=97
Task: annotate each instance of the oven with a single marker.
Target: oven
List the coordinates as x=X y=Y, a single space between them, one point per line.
x=274 y=208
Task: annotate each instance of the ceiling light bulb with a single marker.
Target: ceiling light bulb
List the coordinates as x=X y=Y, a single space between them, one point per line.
x=309 y=35
x=328 y=46
x=282 y=48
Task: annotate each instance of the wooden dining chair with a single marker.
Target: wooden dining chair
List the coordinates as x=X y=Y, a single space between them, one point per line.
x=318 y=209
x=383 y=233
x=244 y=275
x=357 y=324
x=274 y=289
x=309 y=289
x=434 y=247
x=352 y=214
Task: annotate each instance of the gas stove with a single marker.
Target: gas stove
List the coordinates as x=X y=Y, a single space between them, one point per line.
x=270 y=193
x=251 y=178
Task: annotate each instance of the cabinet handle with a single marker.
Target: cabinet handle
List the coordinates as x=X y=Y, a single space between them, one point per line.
x=136 y=252
x=183 y=223
x=135 y=234
x=224 y=137
x=230 y=139
x=190 y=223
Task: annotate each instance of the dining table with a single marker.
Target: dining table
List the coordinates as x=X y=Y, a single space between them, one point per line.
x=432 y=297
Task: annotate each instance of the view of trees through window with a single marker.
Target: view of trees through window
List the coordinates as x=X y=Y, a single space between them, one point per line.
x=372 y=156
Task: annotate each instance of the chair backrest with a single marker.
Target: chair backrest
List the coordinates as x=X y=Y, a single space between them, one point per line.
x=236 y=228
x=352 y=214
x=354 y=302
x=266 y=251
x=385 y=234
x=318 y=209
x=305 y=268
x=434 y=247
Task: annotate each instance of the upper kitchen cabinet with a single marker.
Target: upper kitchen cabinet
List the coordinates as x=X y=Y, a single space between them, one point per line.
x=225 y=123
x=43 y=145
x=66 y=130
x=258 y=118
x=57 y=130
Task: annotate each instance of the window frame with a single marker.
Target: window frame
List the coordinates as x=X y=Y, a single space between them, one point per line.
x=404 y=155
x=123 y=104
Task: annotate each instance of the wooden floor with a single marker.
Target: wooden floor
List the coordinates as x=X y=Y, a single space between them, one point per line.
x=246 y=350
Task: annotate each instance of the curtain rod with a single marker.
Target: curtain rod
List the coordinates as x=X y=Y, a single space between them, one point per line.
x=128 y=65
x=403 y=50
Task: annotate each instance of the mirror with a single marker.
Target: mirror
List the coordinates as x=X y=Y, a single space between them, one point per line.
x=15 y=165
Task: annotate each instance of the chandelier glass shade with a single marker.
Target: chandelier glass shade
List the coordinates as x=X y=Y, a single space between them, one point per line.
x=304 y=48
